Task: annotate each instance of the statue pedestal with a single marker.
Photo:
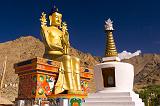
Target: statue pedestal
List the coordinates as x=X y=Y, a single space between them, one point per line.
x=114 y=83
x=37 y=78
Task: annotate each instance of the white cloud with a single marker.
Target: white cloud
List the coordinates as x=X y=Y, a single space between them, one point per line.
x=128 y=55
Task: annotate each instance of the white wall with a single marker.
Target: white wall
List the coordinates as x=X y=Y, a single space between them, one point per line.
x=124 y=75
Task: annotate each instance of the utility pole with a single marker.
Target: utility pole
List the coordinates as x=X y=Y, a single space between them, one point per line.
x=4 y=70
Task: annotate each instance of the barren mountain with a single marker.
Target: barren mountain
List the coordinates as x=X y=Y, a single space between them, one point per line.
x=147 y=66
x=26 y=48
x=147 y=70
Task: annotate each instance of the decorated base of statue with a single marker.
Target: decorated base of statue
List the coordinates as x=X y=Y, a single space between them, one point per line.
x=37 y=78
x=68 y=99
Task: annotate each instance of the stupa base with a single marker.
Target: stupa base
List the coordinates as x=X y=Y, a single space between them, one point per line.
x=111 y=97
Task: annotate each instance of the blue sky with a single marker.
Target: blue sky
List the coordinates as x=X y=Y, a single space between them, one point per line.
x=136 y=22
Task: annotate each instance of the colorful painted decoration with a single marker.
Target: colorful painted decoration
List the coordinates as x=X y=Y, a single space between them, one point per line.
x=86 y=70
x=75 y=102
x=41 y=78
x=48 y=84
x=33 y=90
x=34 y=78
x=40 y=91
x=84 y=86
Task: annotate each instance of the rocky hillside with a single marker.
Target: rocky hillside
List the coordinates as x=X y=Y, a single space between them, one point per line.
x=147 y=70
x=147 y=66
x=26 y=48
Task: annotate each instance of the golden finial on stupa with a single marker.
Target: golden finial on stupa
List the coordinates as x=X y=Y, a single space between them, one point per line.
x=111 y=50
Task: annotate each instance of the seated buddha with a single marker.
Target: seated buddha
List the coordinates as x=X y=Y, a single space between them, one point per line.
x=56 y=41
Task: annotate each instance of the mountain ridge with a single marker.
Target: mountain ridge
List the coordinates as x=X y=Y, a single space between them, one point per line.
x=25 y=48
x=147 y=66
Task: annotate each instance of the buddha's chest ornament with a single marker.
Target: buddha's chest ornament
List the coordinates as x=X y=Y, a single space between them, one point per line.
x=55 y=37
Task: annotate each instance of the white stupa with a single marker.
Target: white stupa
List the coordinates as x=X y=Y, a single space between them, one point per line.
x=114 y=79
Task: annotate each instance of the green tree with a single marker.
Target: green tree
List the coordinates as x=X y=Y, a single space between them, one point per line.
x=150 y=94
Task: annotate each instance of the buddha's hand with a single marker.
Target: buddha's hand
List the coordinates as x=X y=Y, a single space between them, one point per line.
x=43 y=19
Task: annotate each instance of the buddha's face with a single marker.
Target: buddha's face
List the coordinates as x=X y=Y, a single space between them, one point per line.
x=56 y=19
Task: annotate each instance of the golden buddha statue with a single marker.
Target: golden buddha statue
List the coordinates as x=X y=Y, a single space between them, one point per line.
x=56 y=40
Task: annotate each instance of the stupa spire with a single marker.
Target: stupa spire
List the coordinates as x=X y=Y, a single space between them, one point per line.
x=111 y=50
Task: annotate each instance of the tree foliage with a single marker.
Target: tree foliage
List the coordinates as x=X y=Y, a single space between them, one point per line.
x=150 y=95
